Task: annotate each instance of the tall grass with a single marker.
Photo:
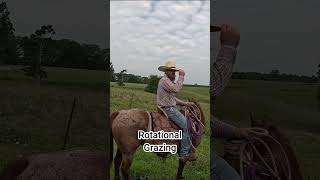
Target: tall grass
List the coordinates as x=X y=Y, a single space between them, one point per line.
x=33 y=117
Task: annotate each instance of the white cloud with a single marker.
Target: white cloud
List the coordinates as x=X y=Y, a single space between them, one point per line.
x=145 y=34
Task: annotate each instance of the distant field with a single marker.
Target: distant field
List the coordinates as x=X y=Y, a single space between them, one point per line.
x=292 y=106
x=33 y=117
x=147 y=165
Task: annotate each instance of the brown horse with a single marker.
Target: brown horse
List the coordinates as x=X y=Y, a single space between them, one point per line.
x=125 y=125
x=281 y=160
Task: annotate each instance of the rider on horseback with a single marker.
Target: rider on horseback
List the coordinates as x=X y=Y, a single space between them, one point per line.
x=167 y=100
x=220 y=74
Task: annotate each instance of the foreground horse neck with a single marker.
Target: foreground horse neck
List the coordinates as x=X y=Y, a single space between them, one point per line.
x=276 y=133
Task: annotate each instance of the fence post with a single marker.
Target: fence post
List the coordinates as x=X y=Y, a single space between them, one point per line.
x=69 y=124
x=131 y=100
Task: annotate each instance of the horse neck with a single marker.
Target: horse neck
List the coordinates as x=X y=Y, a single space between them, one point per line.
x=285 y=143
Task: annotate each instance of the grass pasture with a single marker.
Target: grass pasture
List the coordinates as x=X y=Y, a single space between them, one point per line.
x=33 y=117
x=147 y=165
x=291 y=106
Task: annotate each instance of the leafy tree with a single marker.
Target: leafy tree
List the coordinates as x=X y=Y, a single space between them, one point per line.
x=274 y=76
x=33 y=59
x=120 y=77
x=8 y=46
x=111 y=71
x=152 y=85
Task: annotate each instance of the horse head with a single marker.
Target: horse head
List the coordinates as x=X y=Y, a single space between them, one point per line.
x=198 y=109
x=279 y=135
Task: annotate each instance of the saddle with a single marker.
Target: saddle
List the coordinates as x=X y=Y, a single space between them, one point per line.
x=165 y=123
x=160 y=121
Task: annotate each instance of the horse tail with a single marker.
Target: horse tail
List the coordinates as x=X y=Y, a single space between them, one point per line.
x=112 y=117
x=13 y=169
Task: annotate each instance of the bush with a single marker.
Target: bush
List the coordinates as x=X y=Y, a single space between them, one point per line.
x=152 y=84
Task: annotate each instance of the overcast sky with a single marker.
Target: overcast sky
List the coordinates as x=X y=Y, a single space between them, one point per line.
x=81 y=20
x=145 y=34
x=275 y=34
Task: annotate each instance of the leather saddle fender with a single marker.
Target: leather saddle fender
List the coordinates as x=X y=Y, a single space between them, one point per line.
x=164 y=114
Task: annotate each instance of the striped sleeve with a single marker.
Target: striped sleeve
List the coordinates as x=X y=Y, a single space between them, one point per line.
x=220 y=74
x=220 y=129
x=221 y=71
x=180 y=102
x=171 y=87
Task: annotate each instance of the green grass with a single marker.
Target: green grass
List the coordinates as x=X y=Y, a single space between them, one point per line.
x=33 y=117
x=147 y=165
x=291 y=106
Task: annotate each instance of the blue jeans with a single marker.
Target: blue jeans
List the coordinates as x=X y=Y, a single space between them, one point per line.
x=178 y=118
x=220 y=169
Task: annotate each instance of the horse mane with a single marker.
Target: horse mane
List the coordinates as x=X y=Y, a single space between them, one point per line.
x=13 y=169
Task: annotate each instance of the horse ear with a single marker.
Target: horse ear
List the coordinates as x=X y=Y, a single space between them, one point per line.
x=192 y=99
x=253 y=122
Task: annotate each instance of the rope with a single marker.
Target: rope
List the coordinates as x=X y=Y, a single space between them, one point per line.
x=195 y=115
x=188 y=108
x=259 y=132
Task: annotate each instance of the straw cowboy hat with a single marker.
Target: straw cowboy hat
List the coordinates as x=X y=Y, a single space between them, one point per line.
x=170 y=65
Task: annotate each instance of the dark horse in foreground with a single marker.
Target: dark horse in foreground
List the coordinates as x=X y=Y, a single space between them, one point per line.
x=283 y=164
x=125 y=125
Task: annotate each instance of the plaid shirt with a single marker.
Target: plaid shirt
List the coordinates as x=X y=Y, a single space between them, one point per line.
x=167 y=90
x=220 y=75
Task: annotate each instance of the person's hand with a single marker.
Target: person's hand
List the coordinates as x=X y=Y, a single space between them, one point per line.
x=189 y=103
x=181 y=72
x=229 y=36
x=243 y=133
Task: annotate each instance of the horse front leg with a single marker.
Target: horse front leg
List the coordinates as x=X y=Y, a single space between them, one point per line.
x=180 y=170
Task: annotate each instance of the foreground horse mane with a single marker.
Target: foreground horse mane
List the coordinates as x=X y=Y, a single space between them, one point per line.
x=13 y=169
x=278 y=134
x=78 y=164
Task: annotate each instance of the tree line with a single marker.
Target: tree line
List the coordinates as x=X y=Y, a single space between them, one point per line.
x=41 y=49
x=274 y=75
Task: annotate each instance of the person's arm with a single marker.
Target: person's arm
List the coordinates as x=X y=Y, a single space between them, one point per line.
x=220 y=129
x=169 y=86
x=221 y=71
x=180 y=102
